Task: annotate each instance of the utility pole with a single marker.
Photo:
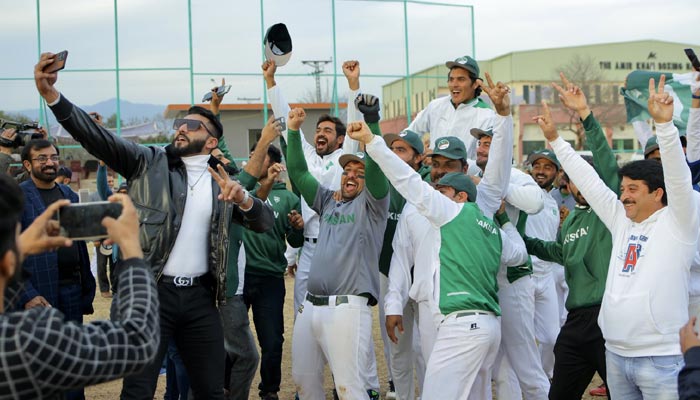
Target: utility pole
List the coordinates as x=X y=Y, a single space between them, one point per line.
x=318 y=66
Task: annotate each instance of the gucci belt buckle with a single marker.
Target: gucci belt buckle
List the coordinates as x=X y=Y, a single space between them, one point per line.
x=183 y=281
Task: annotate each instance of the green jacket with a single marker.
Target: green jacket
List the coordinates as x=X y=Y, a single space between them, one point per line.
x=235 y=236
x=265 y=251
x=584 y=244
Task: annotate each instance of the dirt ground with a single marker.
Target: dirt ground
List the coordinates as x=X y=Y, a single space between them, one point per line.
x=111 y=390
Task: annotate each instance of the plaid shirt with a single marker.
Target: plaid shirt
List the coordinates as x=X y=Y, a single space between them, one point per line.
x=41 y=356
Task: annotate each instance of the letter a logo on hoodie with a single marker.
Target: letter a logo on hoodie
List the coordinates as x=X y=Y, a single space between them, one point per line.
x=633 y=251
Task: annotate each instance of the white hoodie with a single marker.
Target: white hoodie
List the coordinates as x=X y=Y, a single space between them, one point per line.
x=646 y=292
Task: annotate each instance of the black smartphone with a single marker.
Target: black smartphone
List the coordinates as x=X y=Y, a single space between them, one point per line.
x=220 y=91
x=59 y=62
x=693 y=58
x=83 y=221
x=283 y=123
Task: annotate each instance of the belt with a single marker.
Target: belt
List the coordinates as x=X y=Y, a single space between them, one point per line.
x=470 y=313
x=311 y=240
x=182 y=281
x=326 y=300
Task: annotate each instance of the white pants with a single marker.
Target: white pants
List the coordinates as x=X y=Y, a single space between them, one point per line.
x=546 y=320
x=428 y=321
x=562 y=292
x=460 y=364
x=386 y=342
x=340 y=335
x=406 y=354
x=301 y=278
x=518 y=365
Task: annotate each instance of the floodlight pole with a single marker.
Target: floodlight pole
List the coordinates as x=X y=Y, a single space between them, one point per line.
x=317 y=65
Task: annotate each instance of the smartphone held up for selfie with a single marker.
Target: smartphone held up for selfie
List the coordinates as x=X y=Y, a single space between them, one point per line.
x=690 y=53
x=83 y=221
x=59 y=62
x=220 y=91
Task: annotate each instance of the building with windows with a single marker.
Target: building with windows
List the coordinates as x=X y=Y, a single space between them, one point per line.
x=600 y=70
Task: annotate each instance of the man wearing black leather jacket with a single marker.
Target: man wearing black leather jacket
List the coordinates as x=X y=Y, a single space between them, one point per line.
x=185 y=201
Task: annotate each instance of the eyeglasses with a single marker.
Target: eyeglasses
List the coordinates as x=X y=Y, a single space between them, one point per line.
x=192 y=125
x=42 y=159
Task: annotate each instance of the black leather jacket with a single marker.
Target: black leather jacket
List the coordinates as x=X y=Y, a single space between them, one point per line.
x=158 y=188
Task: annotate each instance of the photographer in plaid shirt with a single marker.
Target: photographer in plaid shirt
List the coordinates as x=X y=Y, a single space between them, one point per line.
x=41 y=356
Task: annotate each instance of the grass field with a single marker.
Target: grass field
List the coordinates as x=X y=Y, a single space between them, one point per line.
x=111 y=390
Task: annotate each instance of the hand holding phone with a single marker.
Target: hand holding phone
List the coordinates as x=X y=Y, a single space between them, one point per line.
x=220 y=91
x=59 y=62
x=693 y=59
x=83 y=221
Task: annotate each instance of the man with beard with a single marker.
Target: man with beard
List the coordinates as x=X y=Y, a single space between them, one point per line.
x=544 y=225
x=645 y=301
x=334 y=324
x=60 y=279
x=185 y=208
x=322 y=160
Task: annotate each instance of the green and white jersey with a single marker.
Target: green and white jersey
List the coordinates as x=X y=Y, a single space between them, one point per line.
x=468 y=248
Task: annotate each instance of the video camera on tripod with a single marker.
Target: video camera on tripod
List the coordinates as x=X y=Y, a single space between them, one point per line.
x=24 y=133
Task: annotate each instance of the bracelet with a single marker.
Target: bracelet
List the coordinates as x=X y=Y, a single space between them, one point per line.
x=696 y=96
x=246 y=196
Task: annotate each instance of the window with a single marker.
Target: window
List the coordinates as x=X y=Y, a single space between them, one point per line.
x=526 y=94
x=615 y=94
x=253 y=136
x=596 y=98
x=623 y=144
x=531 y=145
x=538 y=94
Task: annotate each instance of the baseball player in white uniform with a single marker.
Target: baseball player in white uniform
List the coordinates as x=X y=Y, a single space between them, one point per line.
x=518 y=365
x=545 y=225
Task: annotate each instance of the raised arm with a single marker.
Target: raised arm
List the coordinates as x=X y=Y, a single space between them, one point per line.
x=270 y=132
x=603 y=200
x=677 y=179
x=524 y=194
x=377 y=184
x=432 y=204
x=494 y=184
x=126 y=158
x=103 y=188
x=351 y=69
x=296 y=163
x=604 y=160
x=693 y=129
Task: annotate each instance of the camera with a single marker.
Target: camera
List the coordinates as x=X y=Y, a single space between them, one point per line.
x=25 y=133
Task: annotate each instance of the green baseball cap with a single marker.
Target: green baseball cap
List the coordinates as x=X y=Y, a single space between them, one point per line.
x=346 y=158
x=461 y=183
x=408 y=136
x=544 y=153
x=450 y=147
x=652 y=144
x=464 y=62
x=479 y=133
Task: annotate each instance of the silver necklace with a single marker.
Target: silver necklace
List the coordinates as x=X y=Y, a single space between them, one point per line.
x=196 y=182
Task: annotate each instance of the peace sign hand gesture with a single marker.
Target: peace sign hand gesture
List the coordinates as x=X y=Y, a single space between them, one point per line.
x=660 y=103
x=498 y=93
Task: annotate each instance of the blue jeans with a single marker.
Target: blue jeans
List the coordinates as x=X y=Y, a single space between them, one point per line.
x=654 y=377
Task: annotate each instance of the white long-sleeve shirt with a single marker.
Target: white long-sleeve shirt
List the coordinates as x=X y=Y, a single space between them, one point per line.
x=441 y=118
x=646 y=291
x=692 y=135
x=326 y=169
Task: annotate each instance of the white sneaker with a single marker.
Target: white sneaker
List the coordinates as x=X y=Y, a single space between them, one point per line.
x=391 y=393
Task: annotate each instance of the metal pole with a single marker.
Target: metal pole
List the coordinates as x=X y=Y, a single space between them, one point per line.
x=189 y=31
x=42 y=116
x=335 y=66
x=262 y=40
x=408 y=72
x=116 y=72
x=471 y=8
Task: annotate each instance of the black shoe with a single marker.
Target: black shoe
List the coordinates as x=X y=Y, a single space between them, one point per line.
x=272 y=396
x=391 y=393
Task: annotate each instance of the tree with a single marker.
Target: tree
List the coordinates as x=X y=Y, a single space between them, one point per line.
x=112 y=122
x=602 y=97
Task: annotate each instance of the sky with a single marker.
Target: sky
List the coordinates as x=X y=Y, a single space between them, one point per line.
x=227 y=37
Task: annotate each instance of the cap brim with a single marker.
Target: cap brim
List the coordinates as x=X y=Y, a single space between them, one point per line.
x=279 y=60
x=452 y=64
x=390 y=138
x=478 y=133
x=440 y=153
x=346 y=158
x=536 y=157
x=651 y=150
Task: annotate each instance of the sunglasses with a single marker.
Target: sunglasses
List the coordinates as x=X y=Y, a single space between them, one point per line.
x=192 y=125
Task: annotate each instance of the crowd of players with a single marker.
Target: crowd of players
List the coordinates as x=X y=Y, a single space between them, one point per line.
x=487 y=278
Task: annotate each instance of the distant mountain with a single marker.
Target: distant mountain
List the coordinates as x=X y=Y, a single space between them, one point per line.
x=106 y=108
